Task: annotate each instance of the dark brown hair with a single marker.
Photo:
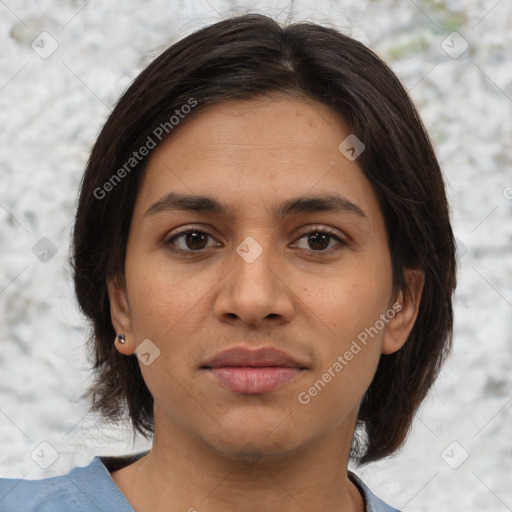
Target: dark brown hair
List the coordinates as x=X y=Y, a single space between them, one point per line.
x=251 y=56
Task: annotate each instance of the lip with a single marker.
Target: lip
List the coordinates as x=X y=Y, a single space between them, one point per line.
x=241 y=356
x=245 y=371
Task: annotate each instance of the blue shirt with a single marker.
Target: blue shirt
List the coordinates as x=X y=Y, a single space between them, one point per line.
x=91 y=489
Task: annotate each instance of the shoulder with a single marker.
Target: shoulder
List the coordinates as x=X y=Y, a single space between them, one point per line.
x=89 y=488
x=373 y=502
x=82 y=489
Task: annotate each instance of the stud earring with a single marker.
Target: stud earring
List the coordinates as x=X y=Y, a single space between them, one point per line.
x=121 y=338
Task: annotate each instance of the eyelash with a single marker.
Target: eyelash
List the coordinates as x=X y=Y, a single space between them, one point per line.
x=168 y=242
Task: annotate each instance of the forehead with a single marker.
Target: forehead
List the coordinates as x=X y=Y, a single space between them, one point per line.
x=268 y=149
x=262 y=123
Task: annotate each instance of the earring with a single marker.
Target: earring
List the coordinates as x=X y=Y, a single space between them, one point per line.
x=121 y=338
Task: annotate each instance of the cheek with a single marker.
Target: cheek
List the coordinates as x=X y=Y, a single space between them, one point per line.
x=160 y=298
x=352 y=298
x=346 y=309
x=347 y=352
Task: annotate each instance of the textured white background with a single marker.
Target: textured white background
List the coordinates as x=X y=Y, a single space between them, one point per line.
x=51 y=111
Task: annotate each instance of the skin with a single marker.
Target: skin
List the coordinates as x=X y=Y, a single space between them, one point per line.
x=218 y=450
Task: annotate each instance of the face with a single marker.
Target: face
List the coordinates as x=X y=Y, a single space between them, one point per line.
x=265 y=303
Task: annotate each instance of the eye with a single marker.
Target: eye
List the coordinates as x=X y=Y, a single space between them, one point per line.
x=320 y=240
x=189 y=241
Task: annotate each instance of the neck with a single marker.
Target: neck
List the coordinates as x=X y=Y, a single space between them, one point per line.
x=182 y=474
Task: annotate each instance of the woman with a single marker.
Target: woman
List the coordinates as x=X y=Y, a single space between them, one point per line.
x=263 y=247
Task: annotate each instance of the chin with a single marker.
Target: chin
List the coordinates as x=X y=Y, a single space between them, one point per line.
x=254 y=438
x=252 y=452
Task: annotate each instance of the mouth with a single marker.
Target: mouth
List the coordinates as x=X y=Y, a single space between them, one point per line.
x=250 y=372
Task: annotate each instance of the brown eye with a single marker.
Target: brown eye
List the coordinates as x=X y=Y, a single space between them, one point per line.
x=320 y=240
x=189 y=241
x=195 y=240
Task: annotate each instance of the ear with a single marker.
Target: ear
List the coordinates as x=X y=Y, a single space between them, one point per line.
x=120 y=315
x=406 y=309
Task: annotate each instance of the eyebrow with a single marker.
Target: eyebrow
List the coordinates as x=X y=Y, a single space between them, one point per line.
x=302 y=204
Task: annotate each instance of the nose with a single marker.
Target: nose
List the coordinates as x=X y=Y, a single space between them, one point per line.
x=254 y=292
